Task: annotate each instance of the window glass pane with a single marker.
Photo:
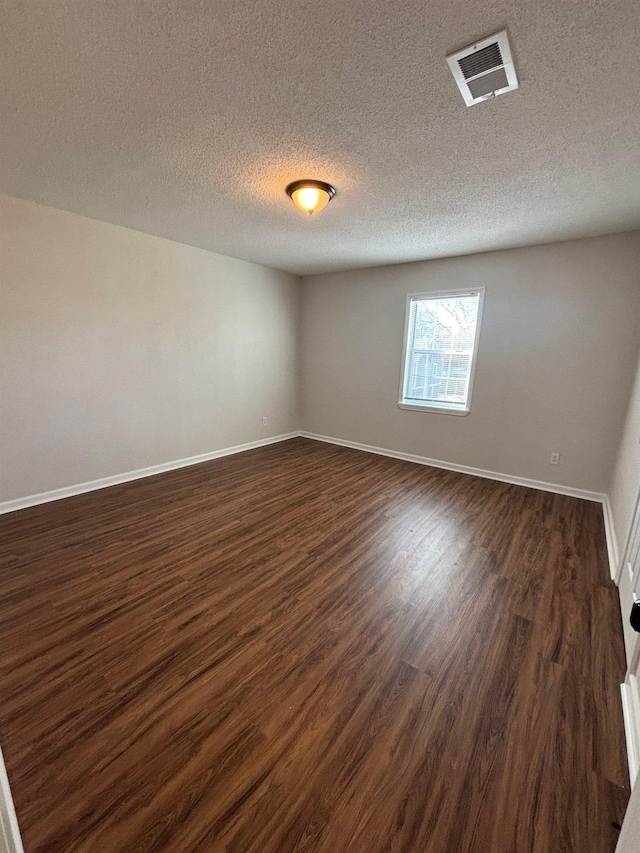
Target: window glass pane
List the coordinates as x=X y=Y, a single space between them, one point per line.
x=440 y=348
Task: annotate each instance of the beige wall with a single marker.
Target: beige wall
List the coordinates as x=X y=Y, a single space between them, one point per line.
x=557 y=353
x=119 y=350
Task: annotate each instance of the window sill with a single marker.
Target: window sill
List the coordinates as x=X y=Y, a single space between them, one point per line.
x=442 y=410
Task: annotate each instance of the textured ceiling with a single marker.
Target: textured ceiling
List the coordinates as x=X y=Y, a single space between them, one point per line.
x=187 y=119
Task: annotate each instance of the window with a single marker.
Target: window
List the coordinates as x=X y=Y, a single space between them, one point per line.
x=441 y=344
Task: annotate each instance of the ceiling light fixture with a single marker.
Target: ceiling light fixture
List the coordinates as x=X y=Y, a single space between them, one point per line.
x=310 y=196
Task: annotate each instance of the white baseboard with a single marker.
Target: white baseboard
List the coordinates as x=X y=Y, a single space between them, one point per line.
x=10 y=841
x=631 y=713
x=464 y=469
x=612 y=540
x=117 y=479
x=570 y=491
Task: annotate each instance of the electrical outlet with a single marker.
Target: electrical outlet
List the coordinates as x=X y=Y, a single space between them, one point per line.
x=554 y=459
x=264 y=422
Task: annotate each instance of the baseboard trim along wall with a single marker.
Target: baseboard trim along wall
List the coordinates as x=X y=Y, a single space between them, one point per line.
x=631 y=714
x=117 y=479
x=10 y=841
x=599 y=497
x=463 y=469
x=612 y=540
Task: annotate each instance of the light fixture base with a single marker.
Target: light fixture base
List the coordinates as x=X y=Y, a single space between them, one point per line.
x=310 y=195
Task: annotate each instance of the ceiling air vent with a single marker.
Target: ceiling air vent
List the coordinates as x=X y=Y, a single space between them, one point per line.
x=484 y=69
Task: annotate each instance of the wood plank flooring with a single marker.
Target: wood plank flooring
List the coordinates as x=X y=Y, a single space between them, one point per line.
x=310 y=648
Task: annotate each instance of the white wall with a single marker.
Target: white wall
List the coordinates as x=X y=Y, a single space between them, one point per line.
x=119 y=350
x=557 y=353
x=624 y=491
x=626 y=475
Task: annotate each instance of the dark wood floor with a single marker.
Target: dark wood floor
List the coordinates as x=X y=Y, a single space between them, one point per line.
x=309 y=648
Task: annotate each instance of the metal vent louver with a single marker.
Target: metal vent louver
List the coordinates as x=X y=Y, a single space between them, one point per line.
x=484 y=69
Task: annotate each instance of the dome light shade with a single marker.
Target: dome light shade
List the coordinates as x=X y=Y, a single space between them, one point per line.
x=310 y=196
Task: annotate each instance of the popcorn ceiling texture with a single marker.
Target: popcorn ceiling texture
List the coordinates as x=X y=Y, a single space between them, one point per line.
x=187 y=119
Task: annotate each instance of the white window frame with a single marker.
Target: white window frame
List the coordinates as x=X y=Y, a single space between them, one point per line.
x=429 y=406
